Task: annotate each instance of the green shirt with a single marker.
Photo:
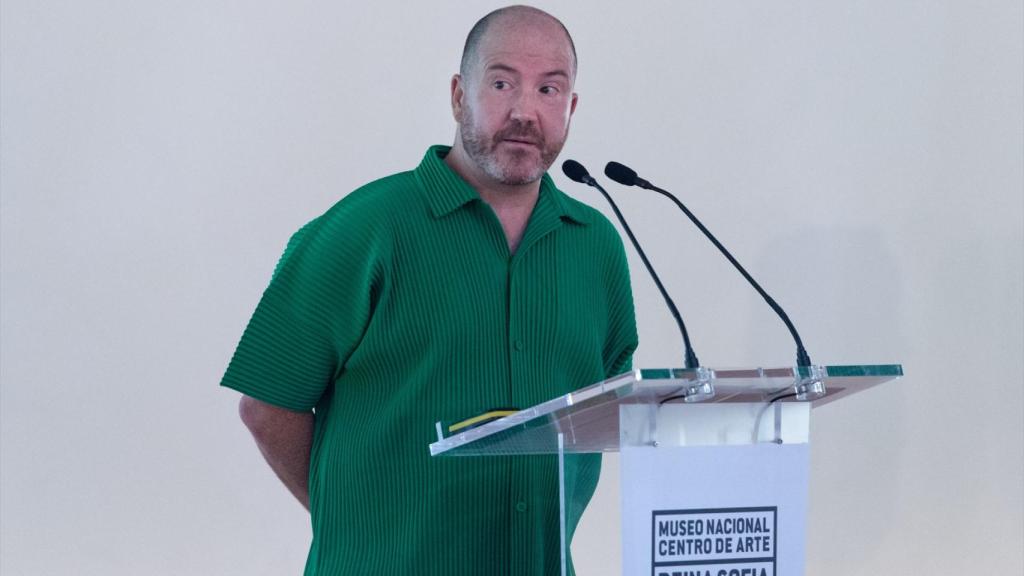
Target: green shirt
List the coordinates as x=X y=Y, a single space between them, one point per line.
x=401 y=306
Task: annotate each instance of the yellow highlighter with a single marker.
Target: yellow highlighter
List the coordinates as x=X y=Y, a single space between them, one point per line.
x=481 y=419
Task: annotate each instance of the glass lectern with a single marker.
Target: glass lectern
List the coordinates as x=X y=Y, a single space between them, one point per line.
x=658 y=414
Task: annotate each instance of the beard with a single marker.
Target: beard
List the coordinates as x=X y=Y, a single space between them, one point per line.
x=513 y=167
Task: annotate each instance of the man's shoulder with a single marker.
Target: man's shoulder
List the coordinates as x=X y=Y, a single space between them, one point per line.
x=596 y=222
x=363 y=220
x=373 y=207
x=388 y=195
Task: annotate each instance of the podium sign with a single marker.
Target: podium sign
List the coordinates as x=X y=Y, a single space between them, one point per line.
x=714 y=462
x=718 y=501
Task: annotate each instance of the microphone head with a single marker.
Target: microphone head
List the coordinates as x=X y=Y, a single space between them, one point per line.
x=576 y=172
x=621 y=174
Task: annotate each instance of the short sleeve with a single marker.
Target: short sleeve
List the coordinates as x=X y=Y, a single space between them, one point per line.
x=309 y=319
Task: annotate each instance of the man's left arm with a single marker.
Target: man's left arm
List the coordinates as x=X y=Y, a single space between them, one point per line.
x=622 y=339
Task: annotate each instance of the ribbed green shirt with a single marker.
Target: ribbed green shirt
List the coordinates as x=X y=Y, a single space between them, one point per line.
x=402 y=306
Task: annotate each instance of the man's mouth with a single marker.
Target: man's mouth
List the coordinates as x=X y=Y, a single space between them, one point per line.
x=522 y=141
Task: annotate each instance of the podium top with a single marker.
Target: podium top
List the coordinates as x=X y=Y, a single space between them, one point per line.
x=588 y=418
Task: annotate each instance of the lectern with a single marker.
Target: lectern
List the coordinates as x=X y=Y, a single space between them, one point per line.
x=714 y=462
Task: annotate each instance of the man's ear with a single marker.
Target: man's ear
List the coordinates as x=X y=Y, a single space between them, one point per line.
x=572 y=105
x=458 y=91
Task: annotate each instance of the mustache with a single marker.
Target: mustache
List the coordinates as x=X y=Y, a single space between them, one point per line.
x=516 y=130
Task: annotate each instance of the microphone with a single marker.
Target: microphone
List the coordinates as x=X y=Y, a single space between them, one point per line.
x=624 y=175
x=577 y=173
x=628 y=177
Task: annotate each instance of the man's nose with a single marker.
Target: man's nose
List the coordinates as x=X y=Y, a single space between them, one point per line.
x=524 y=107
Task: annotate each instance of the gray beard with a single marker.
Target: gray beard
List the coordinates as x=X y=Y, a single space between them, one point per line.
x=484 y=154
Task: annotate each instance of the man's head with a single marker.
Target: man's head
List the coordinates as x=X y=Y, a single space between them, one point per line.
x=513 y=97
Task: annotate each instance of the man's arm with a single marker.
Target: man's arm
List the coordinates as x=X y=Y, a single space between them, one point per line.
x=285 y=438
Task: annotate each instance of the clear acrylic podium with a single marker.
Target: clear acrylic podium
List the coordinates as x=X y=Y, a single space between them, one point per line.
x=668 y=408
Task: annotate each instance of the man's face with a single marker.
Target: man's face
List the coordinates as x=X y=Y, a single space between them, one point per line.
x=514 y=106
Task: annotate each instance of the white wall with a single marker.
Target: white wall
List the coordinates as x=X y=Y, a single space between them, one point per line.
x=865 y=160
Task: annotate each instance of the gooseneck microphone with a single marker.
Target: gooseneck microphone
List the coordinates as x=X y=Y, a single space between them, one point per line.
x=577 y=173
x=627 y=177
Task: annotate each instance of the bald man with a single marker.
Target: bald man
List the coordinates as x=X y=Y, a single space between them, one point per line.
x=466 y=284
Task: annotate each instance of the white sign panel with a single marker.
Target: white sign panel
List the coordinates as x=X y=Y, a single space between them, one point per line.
x=714 y=510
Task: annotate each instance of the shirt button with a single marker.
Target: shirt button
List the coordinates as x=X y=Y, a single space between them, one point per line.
x=521 y=506
x=519 y=345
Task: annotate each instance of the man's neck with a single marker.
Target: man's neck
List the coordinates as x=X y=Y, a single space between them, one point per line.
x=512 y=204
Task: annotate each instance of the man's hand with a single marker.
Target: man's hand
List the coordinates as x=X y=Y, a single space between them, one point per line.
x=285 y=439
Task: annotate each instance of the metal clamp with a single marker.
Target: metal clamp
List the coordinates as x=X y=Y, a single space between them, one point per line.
x=701 y=389
x=810 y=387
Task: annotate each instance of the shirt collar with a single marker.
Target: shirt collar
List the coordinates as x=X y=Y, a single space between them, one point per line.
x=446 y=191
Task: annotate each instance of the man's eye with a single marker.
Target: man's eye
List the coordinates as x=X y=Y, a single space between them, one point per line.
x=549 y=90
x=500 y=84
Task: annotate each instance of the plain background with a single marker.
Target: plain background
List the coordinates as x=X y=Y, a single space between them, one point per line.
x=863 y=159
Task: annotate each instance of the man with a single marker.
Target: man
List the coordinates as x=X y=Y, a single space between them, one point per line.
x=467 y=284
